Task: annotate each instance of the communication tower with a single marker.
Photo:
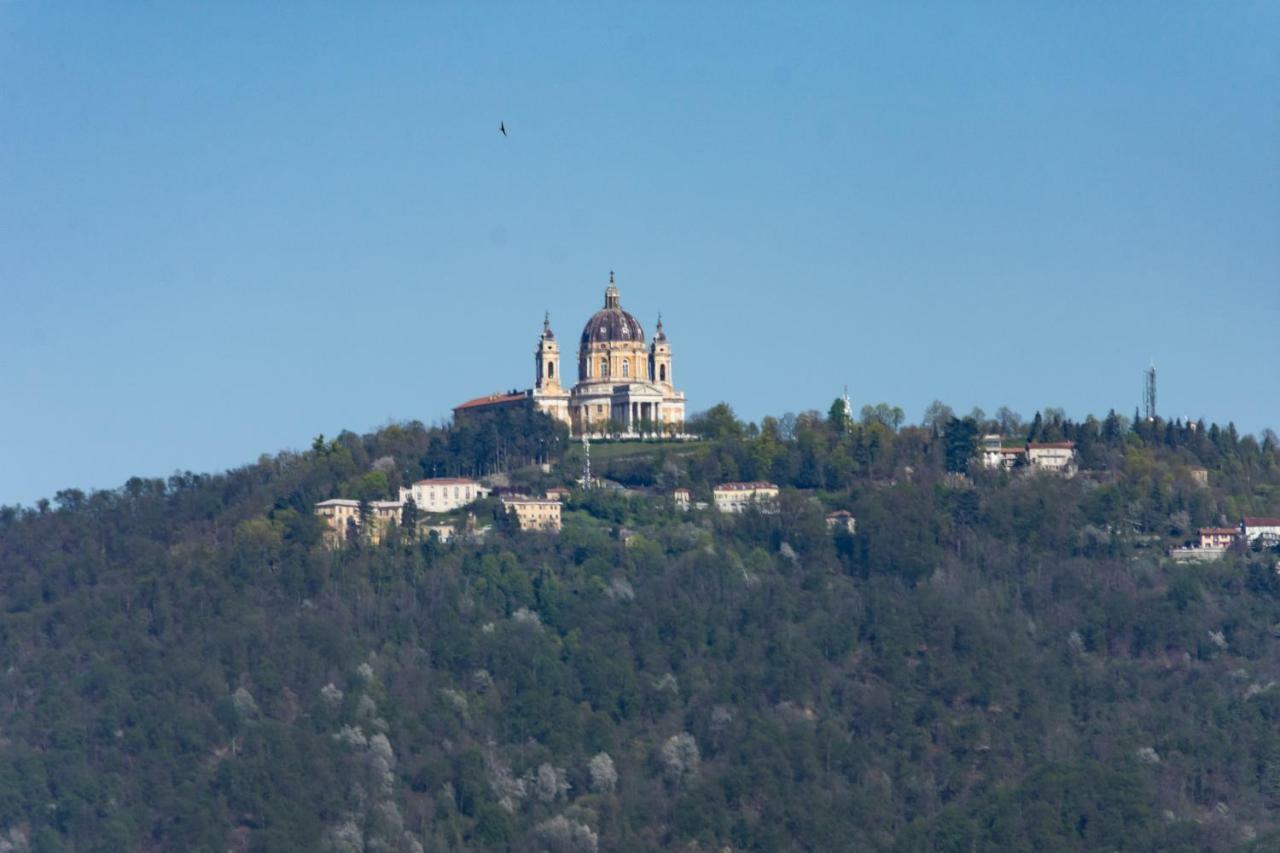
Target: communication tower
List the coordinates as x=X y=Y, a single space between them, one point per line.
x=586 y=461
x=1149 y=393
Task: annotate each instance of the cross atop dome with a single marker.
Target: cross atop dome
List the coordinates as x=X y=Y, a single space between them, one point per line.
x=611 y=298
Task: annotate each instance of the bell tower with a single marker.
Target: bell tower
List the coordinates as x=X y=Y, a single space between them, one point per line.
x=660 y=358
x=547 y=358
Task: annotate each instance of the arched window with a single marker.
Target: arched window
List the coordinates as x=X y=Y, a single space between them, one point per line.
x=662 y=372
x=626 y=369
x=551 y=369
x=604 y=367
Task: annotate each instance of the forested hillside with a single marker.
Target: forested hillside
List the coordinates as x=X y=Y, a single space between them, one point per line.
x=994 y=659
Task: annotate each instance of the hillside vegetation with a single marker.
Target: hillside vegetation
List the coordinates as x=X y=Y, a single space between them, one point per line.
x=994 y=660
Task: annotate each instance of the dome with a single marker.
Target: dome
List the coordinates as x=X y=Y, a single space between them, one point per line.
x=611 y=323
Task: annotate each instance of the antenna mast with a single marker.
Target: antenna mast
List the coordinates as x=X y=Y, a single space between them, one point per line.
x=586 y=461
x=1149 y=395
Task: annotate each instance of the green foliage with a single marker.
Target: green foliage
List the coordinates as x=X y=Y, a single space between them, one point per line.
x=998 y=661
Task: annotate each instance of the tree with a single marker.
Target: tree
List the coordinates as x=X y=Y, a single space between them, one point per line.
x=882 y=413
x=1009 y=421
x=839 y=416
x=365 y=513
x=1036 y=429
x=936 y=415
x=960 y=438
x=718 y=422
x=409 y=519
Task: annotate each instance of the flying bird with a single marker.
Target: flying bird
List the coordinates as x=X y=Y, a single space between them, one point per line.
x=502 y=126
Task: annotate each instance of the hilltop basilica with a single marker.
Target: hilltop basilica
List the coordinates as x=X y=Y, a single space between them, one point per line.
x=624 y=386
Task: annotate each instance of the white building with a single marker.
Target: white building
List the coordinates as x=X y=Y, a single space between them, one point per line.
x=842 y=519
x=442 y=494
x=1054 y=457
x=443 y=532
x=737 y=497
x=1265 y=530
x=997 y=457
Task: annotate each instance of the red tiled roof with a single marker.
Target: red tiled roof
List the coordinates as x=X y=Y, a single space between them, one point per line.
x=446 y=481
x=491 y=400
x=1051 y=445
x=1260 y=521
x=1219 y=531
x=744 y=487
x=840 y=513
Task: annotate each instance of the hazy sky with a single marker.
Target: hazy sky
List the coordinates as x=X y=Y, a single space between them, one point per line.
x=225 y=228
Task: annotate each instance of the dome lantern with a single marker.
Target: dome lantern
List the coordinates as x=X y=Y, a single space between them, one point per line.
x=611 y=299
x=612 y=324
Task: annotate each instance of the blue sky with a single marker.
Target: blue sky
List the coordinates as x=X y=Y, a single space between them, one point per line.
x=226 y=228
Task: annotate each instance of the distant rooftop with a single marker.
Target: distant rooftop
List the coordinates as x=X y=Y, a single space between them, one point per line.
x=491 y=400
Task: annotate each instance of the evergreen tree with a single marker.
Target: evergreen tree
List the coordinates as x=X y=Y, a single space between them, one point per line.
x=409 y=519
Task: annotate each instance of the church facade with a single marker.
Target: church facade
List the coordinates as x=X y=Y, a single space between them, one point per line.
x=625 y=385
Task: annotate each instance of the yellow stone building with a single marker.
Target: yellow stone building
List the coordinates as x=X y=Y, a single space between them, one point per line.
x=342 y=517
x=625 y=386
x=534 y=513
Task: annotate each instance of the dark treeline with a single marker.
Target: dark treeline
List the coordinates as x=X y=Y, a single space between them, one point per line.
x=996 y=660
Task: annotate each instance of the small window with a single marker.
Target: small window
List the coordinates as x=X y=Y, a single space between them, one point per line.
x=626 y=369
x=604 y=367
x=662 y=372
x=551 y=369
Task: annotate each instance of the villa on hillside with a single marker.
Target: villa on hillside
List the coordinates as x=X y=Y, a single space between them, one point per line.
x=842 y=519
x=1265 y=531
x=342 y=518
x=739 y=497
x=541 y=514
x=1053 y=457
x=1218 y=537
x=443 y=494
x=1214 y=542
x=995 y=456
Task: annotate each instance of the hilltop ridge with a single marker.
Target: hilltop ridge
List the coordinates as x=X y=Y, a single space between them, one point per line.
x=994 y=657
